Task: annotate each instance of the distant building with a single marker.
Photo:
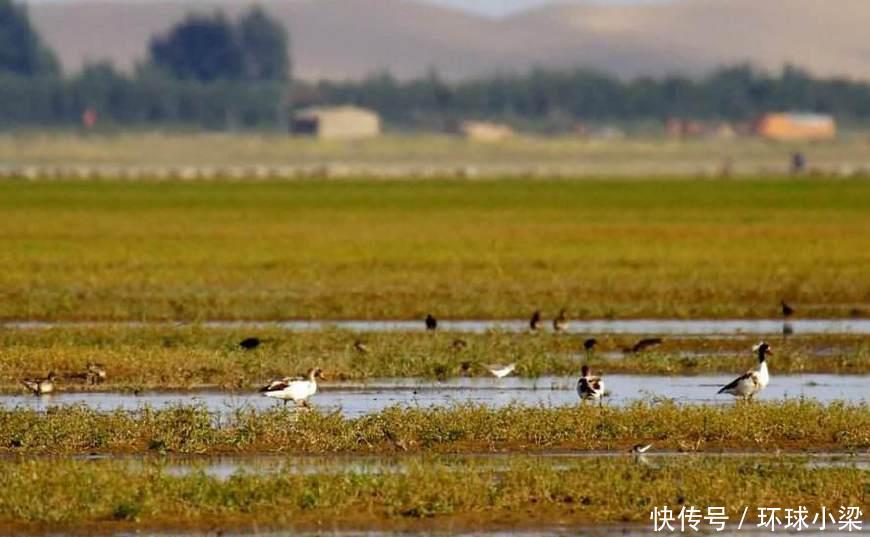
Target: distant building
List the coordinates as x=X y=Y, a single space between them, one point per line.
x=336 y=122
x=484 y=131
x=796 y=126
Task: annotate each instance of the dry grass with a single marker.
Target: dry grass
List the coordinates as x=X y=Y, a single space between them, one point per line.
x=428 y=154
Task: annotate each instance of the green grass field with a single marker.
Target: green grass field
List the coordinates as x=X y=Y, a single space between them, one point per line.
x=397 y=250
x=426 y=494
x=796 y=425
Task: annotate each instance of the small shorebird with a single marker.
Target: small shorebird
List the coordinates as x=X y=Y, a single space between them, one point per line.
x=643 y=344
x=639 y=452
x=360 y=347
x=589 y=387
x=535 y=321
x=589 y=345
x=96 y=373
x=296 y=389
x=458 y=345
x=787 y=311
x=250 y=343
x=431 y=322
x=40 y=386
x=500 y=370
x=754 y=380
x=560 y=323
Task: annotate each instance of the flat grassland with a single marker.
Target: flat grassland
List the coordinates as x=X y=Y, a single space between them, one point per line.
x=524 y=492
x=796 y=425
x=192 y=357
x=371 y=249
x=424 y=155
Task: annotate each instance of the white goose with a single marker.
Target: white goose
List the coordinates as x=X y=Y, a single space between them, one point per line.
x=754 y=380
x=589 y=387
x=296 y=389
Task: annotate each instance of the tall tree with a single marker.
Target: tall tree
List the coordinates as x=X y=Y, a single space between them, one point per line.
x=202 y=48
x=21 y=50
x=264 y=45
x=210 y=48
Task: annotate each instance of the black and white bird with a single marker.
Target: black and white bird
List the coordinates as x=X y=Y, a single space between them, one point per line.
x=431 y=322
x=639 y=449
x=458 y=345
x=535 y=321
x=296 y=389
x=250 y=343
x=40 y=385
x=787 y=311
x=360 y=347
x=560 y=323
x=588 y=386
x=753 y=381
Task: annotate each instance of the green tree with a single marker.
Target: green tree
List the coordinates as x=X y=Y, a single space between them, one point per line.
x=202 y=48
x=264 y=44
x=211 y=48
x=21 y=50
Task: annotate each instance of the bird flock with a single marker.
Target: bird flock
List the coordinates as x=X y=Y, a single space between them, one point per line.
x=589 y=387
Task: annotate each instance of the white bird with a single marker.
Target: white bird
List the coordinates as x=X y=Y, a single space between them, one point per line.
x=500 y=370
x=296 y=389
x=40 y=386
x=754 y=380
x=639 y=449
x=589 y=387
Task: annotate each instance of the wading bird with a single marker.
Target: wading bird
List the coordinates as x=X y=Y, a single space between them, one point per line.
x=40 y=386
x=589 y=387
x=643 y=344
x=500 y=370
x=431 y=322
x=560 y=323
x=787 y=311
x=296 y=389
x=535 y=321
x=250 y=343
x=589 y=346
x=458 y=345
x=754 y=380
x=360 y=347
x=96 y=373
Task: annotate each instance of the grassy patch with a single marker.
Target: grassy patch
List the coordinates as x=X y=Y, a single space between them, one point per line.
x=397 y=250
x=791 y=425
x=522 y=491
x=168 y=357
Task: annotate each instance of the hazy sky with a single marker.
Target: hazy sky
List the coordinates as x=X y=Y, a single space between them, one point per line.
x=486 y=7
x=506 y=7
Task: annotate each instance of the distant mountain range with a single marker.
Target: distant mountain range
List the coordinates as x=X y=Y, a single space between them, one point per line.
x=346 y=39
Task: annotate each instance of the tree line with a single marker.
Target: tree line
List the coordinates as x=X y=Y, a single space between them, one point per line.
x=212 y=72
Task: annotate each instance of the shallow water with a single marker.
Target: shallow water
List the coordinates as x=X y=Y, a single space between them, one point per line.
x=223 y=467
x=699 y=327
x=355 y=399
